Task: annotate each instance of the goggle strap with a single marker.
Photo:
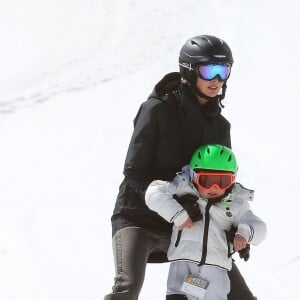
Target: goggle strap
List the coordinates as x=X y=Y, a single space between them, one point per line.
x=193 y=175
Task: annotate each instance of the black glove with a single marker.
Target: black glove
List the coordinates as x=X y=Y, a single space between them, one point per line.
x=244 y=253
x=190 y=204
x=231 y=233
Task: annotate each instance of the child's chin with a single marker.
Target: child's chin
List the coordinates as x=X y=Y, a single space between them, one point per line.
x=212 y=196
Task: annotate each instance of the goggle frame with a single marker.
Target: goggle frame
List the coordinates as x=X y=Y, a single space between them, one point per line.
x=208 y=176
x=210 y=71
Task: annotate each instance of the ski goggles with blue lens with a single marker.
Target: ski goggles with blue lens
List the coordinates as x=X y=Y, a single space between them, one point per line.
x=211 y=71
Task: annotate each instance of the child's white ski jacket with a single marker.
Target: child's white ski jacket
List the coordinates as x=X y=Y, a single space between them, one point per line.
x=206 y=241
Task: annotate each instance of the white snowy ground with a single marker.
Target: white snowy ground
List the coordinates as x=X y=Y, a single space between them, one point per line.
x=73 y=74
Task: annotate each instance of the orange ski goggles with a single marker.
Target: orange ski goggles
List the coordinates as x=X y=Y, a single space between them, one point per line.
x=206 y=180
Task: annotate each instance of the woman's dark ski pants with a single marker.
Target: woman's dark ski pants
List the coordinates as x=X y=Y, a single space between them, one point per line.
x=132 y=247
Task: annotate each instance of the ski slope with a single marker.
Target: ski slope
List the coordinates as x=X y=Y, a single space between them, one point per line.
x=73 y=75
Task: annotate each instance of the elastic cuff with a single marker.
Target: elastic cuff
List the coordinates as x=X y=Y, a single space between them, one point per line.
x=244 y=231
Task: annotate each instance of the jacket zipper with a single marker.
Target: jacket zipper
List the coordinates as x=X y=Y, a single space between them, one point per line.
x=178 y=237
x=205 y=233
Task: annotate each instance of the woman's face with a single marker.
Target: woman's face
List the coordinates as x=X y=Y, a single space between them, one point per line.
x=209 y=88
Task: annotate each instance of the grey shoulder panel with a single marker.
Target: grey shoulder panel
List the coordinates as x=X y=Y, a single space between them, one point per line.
x=242 y=192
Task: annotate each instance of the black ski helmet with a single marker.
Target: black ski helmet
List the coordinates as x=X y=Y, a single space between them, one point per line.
x=200 y=50
x=203 y=49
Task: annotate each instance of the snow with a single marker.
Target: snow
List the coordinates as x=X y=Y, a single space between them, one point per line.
x=73 y=75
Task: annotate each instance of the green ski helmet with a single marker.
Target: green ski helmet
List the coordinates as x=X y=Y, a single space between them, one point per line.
x=214 y=157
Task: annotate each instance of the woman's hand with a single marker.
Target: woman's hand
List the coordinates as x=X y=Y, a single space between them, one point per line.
x=187 y=224
x=239 y=242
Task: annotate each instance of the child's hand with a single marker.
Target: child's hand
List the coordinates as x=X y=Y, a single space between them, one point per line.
x=239 y=242
x=187 y=224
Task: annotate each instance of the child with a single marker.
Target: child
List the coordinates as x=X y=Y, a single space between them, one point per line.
x=199 y=252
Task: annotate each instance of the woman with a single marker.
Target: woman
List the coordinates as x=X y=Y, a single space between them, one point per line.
x=183 y=112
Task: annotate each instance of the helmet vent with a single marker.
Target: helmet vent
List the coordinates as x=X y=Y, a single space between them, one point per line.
x=199 y=155
x=222 y=151
x=230 y=157
x=208 y=150
x=194 y=43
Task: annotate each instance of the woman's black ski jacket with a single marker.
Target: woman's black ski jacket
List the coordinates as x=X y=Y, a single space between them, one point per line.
x=167 y=130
